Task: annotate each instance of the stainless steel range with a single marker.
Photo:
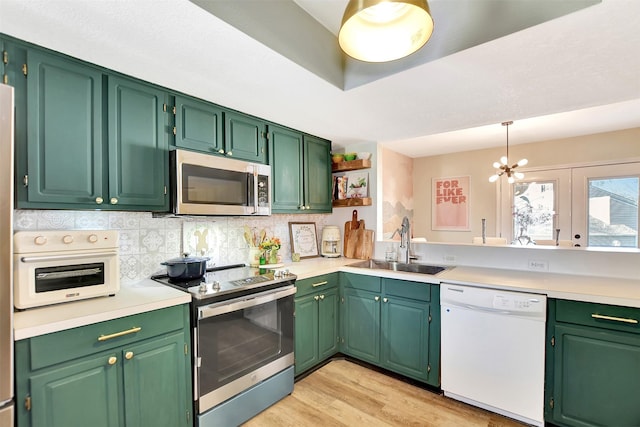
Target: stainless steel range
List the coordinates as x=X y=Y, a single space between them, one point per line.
x=243 y=324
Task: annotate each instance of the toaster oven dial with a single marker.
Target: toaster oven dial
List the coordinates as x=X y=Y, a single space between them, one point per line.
x=67 y=239
x=40 y=240
x=92 y=238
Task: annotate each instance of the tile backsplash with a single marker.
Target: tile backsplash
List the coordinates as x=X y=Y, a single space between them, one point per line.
x=146 y=241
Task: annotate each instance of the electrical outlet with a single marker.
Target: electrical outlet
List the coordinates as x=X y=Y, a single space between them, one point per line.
x=449 y=258
x=539 y=265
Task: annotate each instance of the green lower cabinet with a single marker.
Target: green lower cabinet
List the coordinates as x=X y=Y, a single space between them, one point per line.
x=595 y=365
x=392 y=323
x=83 y=393
x=361 y=325
x=138 y=378
x=316 y=322
x=405 y=340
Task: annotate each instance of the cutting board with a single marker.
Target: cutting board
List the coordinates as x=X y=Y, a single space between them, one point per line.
x=348 y=226
x=354 y=235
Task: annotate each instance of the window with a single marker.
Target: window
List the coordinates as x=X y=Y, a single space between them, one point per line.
x=595 y=206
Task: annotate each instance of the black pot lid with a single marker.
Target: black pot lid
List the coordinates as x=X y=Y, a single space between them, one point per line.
x=185 y=260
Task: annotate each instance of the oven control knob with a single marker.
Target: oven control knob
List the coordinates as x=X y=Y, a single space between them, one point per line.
x=203 y=288
x=92 y=238
x=67 y=239
x=40 y=240
x=215 y=286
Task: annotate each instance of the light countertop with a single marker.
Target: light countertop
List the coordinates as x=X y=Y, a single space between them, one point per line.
x=148 y=295
x=139 y=297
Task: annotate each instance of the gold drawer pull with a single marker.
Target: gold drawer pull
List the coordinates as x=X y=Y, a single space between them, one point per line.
x=119 y=334
x=112 y=360
x=319 y=284
x=615 y=319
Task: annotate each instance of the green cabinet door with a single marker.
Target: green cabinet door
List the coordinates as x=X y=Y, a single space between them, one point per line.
x=85 y=392
x=317 y=175
x=405 y=332
x=155 y=383
x=596 y=377
x=306 y=332
x=327 y=323
x=64 y=133
x=138 y=146
x=361 y=324
x=198 y=125
x=245 y=137
x=286 y=160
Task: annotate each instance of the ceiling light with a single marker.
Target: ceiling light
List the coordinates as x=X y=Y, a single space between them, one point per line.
x=503 y=167
x=384 y=30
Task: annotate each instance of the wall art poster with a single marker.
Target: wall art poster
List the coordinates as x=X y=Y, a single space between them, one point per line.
x=450 y=203
x=303 y=239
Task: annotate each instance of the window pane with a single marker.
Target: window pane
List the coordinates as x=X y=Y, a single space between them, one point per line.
x=613 y=212
x=533 y=210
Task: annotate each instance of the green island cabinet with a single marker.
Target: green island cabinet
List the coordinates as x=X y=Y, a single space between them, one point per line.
x=316 y=320
x=92 y=140
x=208 y=128
x=131 y=371
x=592 y=365
x=300 y=172
x=392 y=323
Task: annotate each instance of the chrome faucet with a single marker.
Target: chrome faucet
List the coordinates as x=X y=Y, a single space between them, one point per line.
x=405 y=239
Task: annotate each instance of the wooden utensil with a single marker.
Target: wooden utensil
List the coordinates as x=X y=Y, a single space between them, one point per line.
x=348 y=226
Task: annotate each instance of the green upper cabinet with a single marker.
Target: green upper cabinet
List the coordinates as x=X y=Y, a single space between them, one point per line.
x=285 y=158
x=198 y=125
x=245 y=137
x=138 y=145
x=317 y=167
x=92 y=141
x=300 y=172
x=65 y=144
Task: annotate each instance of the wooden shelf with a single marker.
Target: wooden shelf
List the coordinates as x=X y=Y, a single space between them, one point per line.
x=351 y=165
x=343 y=203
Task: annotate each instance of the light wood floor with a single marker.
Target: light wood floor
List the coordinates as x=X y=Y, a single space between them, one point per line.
x=343 y=393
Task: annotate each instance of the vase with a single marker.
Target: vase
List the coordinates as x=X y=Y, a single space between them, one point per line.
x=273 y=256
x=254 y=256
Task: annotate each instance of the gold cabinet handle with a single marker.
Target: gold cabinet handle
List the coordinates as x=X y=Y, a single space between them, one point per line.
x=302 y=207
x=113 y=201
x=128 y=355
x=119 y=334
x=229 y=153
x=112 y=360
x=221 y=151
x=315 y=285
x=377 y=298
x=321 y=297
x=385 y=299
x=615 y=319
x=99 y=200
x=316 y=298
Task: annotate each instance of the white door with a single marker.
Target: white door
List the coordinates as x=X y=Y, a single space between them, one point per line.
x=604 y=205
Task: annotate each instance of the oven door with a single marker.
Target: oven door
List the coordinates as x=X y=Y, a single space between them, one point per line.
x=242 y=342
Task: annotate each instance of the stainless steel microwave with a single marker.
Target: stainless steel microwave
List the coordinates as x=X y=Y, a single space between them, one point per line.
x=204 y=184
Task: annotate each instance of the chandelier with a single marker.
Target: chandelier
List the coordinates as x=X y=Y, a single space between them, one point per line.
x=384 y=30
x=503 y=168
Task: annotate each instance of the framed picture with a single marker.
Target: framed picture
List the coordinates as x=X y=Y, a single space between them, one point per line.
x=357 y=185
x=303 y=239
x=450 y=203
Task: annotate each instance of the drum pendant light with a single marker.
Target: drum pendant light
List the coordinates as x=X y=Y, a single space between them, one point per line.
x=503 y=167
x=384 y=30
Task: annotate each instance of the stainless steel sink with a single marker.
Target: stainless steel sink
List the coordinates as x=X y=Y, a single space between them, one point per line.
x=399 y=266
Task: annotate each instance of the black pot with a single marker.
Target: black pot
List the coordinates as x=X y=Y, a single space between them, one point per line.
x=186 y=267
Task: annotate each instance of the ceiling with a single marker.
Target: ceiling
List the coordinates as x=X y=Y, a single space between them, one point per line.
x=573 y=75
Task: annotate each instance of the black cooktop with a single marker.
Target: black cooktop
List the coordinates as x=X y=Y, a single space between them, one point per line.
x=226 y=282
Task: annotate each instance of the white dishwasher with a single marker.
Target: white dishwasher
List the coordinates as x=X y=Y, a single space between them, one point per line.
x=493 y=346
